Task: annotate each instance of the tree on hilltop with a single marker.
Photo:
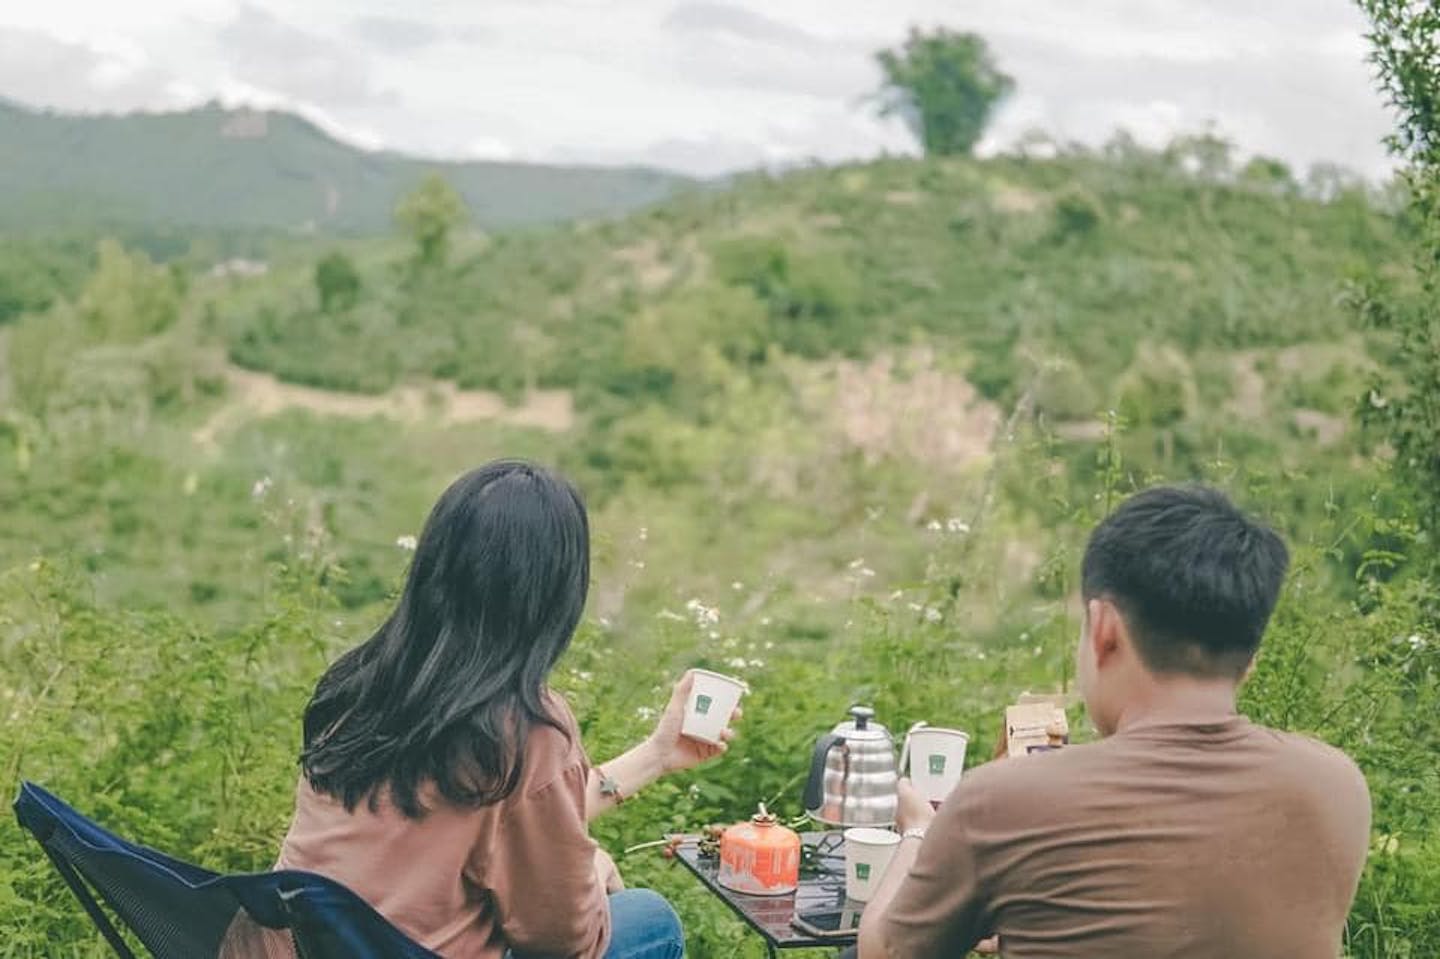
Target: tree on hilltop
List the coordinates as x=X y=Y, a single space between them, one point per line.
x=945 y=85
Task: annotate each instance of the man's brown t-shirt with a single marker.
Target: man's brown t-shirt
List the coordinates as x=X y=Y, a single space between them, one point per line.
x=1201 y=839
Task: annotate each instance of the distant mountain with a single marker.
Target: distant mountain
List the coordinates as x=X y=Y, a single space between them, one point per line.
x=218 y=169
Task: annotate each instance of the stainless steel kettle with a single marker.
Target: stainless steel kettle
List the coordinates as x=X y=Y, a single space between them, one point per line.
x=853 y=774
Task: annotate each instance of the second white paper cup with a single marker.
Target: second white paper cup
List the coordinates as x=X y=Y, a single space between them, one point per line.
x=937 y=758
x=713 y=698
x=867 y=855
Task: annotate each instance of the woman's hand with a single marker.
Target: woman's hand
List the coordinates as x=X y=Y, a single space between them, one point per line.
x=675 y=751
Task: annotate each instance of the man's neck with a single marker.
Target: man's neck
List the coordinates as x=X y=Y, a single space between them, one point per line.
x=1179 y=699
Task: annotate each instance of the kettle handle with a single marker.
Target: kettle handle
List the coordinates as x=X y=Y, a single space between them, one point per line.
x=815 y=786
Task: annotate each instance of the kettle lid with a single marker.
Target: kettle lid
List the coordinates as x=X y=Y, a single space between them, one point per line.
x=862 y=726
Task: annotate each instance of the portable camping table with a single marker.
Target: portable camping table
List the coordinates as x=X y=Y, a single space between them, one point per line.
x=820 y=889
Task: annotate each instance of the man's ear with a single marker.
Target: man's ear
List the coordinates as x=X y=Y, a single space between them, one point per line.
x=1107 y=630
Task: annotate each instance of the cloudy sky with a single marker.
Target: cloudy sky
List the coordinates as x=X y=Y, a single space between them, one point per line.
x=706 y=85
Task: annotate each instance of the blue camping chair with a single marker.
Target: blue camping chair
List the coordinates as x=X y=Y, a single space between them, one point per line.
x=180 y=911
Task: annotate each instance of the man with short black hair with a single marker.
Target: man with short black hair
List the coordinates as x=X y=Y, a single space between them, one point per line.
x=1188 y=832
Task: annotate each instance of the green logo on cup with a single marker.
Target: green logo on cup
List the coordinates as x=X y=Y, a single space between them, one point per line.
x=702 y=704
x=937 y=765
x=862 y=871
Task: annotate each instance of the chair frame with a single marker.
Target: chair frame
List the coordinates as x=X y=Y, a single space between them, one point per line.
x=43 y=814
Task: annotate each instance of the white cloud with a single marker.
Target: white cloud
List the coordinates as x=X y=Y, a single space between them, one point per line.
x=106 y=74
x=263 y=49
x=707 y=85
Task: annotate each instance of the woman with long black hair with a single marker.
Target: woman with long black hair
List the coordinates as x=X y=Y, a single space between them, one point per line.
x=444 y=782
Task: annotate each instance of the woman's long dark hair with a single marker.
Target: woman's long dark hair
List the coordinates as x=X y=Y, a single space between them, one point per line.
x=447 y=688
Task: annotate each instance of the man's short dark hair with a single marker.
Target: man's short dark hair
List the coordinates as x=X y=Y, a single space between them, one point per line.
x=1195 y=578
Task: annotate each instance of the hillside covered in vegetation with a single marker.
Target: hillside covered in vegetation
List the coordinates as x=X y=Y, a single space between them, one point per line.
x=842 y=431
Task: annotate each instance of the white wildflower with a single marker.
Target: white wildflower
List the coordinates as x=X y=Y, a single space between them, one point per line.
x=714 y=634
x=933 y=526
x=769 y=645
x=765 y=621
x=957 y=525
x=645 y=712
x=667 y=614
x=261 y=487
x=866 y=572
x=857 y=563
x=915 y=607
x=737 y=586
x=638 y=563
x=407 y=543
x=757 y=664
x=896 y=595
x=737 y=663
x=644 y=534
x=933 y=615
x=1038 y=650
x=702 y=614
x=980 y=655
x=1416 y=641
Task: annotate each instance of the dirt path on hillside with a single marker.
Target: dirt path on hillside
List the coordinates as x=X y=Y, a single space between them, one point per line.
x=254 y=395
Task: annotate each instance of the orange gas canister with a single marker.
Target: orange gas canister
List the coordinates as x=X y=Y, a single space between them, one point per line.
x=760 y=857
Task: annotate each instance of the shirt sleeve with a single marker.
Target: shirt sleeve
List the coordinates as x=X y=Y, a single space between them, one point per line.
x=540 y=874
x=940 y=910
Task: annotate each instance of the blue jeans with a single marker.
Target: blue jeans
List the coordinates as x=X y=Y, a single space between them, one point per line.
x=643 y=926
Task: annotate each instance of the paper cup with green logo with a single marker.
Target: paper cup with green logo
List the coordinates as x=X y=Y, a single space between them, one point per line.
x=867 y=855
x=936 y=758
x=713 y=697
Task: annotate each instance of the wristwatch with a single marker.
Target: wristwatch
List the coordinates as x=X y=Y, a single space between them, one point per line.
x=914 y=832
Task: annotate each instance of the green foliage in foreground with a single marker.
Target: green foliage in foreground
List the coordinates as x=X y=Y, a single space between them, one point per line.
x=1406 y=39
x=184 y=736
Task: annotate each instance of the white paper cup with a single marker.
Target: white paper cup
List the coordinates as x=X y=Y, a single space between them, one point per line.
x=713 y=699
x=867 y=855
x=936 y=760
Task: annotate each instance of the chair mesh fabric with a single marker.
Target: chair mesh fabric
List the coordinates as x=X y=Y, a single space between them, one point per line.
x=180 y=911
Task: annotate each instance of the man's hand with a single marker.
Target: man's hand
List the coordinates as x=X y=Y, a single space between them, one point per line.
x=988 y=947
x=608 y=873
x=914 y=810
